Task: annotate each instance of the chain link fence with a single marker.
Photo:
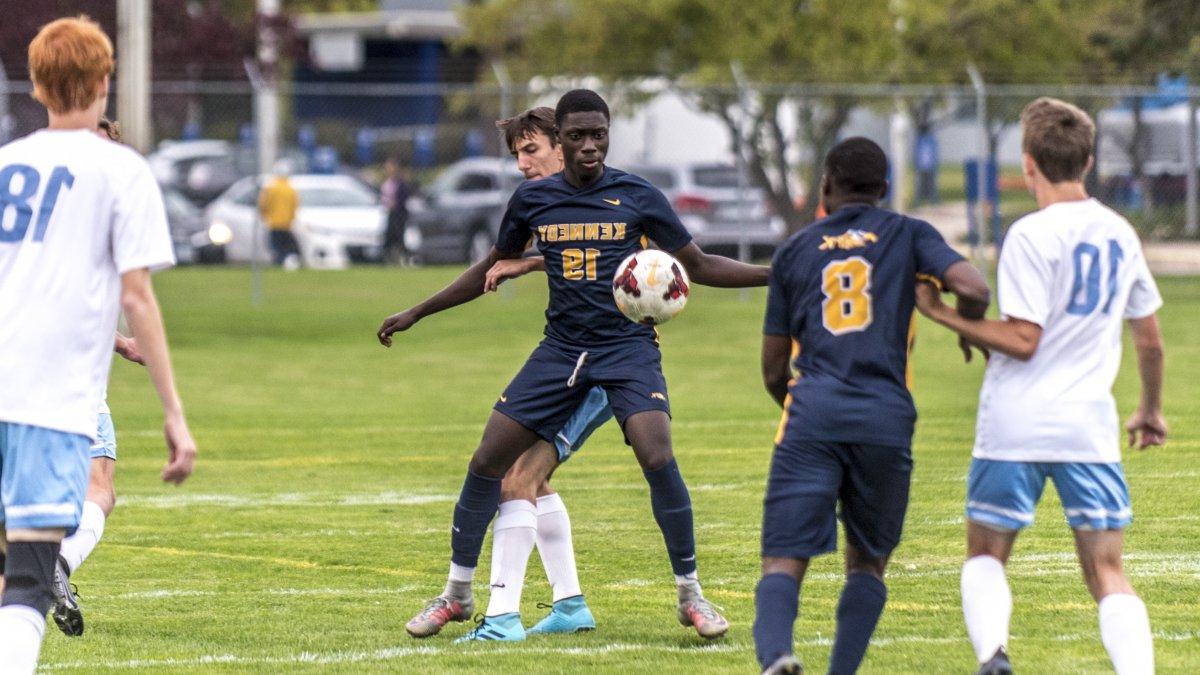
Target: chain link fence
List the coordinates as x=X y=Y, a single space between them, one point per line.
x=934 y=135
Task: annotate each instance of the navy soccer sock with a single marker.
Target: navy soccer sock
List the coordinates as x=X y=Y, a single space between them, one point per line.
x=477 y=503
x=673 y=512
x=858 y=611
x=776 y=604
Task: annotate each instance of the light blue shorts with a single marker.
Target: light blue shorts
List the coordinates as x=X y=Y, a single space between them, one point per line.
x=106 y=439
x=1004 y=494
x=43 y=477
x=589 y=416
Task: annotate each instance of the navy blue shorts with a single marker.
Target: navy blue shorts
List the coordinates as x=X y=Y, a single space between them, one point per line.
x=808 y=481
x=557 y=378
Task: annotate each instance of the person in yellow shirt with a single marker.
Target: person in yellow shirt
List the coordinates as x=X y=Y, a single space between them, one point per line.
x=277 y=204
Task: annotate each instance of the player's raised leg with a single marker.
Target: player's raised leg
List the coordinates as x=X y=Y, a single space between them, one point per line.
x=649 y=432
x=504 y=439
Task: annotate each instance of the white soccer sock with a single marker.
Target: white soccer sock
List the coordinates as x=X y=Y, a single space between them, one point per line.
x=512 y=542
x=987 y=604
x=555 y=546
x=458 y=584
x=1125 y=632
x=21 y=631
x=77 y=547
x=688 y=586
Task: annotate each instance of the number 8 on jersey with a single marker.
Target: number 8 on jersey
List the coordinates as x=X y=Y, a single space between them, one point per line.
x=847 y=288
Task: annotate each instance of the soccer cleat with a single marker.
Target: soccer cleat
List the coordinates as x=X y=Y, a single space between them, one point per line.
x=569 y=615
x=66 y=606
x=439 y=612
x=704 y=617
x=785 y=665
x=997 y=665
x=500 y=628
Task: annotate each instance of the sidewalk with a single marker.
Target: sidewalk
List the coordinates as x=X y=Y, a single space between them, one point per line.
x=1170 y=258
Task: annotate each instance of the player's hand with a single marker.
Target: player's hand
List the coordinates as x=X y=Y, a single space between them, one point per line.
x=1146 y=429
x=929 y=299
x=966 y=346
x=181 y=450
x=395 y=323
x=504 y=270
x=127 y=348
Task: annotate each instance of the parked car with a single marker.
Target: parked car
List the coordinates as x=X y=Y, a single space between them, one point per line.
x=202 y=169
x=193 y=239
x=713 y=208
x=340 y=219
x=458 y=215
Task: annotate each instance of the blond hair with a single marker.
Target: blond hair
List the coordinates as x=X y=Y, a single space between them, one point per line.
x=68 y=60
x=1060 y=137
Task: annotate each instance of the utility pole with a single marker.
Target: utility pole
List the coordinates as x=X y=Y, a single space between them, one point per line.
x=266 y=90
x=133 y=73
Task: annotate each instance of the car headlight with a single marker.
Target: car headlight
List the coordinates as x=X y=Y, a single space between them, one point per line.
x=219 y=233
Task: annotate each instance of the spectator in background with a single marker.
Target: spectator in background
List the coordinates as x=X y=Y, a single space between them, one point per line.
x=277 y=204
x=394 y=193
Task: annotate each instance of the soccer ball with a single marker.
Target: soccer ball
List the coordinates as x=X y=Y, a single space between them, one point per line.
x=650 y=287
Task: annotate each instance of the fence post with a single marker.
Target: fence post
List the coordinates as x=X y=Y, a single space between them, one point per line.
x=1190 y=224
x=981 y=119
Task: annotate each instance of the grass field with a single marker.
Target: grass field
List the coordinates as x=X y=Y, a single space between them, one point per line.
x=317 y=520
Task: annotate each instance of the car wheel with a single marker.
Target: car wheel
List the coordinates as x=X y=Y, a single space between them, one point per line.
x=479 y=245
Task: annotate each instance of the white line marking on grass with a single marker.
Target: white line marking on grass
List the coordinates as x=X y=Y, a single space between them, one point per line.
x=306 y=499
x=181 y=593
x=345 y=657
x=392 y=653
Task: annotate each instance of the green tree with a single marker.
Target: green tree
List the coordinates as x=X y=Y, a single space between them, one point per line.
x=697 y=46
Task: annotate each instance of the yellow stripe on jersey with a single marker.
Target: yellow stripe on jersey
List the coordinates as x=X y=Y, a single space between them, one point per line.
x=787 y=401
x=912 y=342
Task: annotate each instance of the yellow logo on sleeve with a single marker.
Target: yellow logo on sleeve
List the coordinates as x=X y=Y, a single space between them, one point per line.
x=614 y=202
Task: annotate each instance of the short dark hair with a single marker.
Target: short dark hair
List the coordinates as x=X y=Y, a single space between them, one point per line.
x=539 y=120
x=1060 y=137
x=111 y=128
x=579 y=100
x=857 y=166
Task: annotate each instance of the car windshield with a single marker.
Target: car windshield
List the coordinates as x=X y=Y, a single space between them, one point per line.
x=332 y=196
x=177 y=204
x=715 y=176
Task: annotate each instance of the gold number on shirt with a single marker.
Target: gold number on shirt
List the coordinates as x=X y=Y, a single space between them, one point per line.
x=847 y=288
x=580 y=264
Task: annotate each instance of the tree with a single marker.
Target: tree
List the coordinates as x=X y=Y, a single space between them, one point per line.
x=696 y=46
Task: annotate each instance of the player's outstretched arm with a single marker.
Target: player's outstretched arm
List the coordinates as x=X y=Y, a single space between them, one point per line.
x=719 y=271
x=507 y=269
x=145 y=320
x=1147 y=426
x=1013 y=337
x=970 y=288
x=776 y=366
x=468 y=286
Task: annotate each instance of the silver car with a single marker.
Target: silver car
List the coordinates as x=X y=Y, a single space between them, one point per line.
x=718 y=211
x=340 y=220
x=458 y=215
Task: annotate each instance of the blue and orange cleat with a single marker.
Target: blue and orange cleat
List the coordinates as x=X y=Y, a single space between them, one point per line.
x=502 y=628
x=569 y=615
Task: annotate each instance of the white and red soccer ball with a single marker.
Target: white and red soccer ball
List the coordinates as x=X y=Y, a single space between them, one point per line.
x=650 y=287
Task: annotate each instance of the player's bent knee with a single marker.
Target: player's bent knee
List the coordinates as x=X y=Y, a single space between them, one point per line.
x=793 y=567
x=29 y=574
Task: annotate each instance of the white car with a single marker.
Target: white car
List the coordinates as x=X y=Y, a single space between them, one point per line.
x=340 y=220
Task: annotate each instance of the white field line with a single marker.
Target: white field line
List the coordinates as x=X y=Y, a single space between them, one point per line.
x=344 y=657
x=180 y=593
x=393 y=653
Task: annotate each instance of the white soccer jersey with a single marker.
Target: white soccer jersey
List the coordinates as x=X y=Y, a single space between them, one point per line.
x=1077 y=270
x=76 y=212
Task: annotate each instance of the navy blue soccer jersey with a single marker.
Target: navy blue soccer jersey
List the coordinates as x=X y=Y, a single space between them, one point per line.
x=844 y=289
x=584 y=234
